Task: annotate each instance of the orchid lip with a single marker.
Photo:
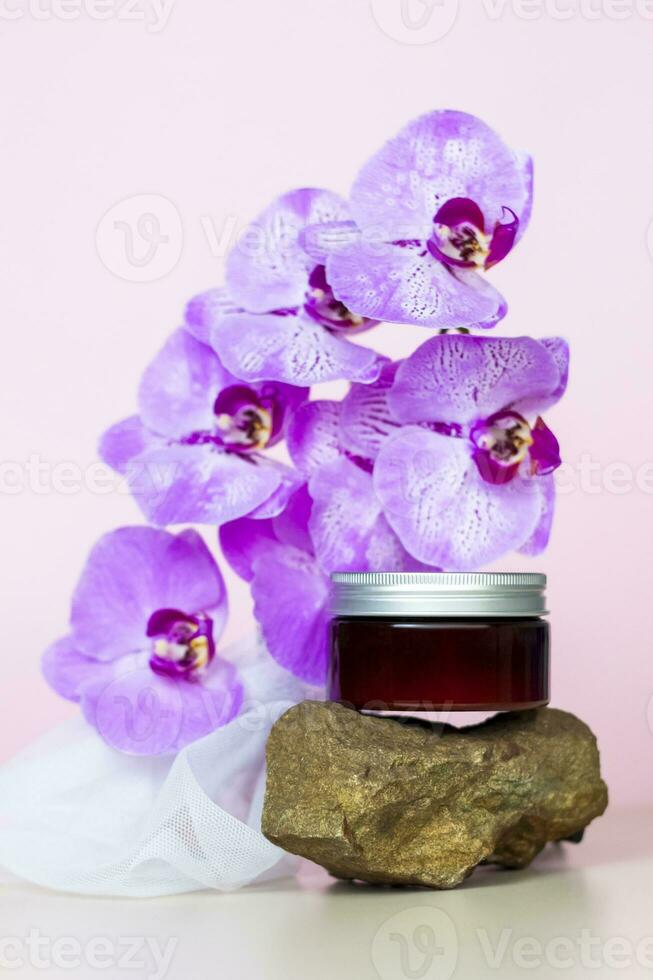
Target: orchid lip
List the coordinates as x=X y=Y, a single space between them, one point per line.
x=545 y=451
x=504 y=440
x=183 y=644
x=323 y=307
x=503 y=239
x=460 y=240
x=438 y=254
x=246 y=421
x=242 y=421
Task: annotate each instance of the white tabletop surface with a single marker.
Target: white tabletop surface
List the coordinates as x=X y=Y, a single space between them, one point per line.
x=579 y=910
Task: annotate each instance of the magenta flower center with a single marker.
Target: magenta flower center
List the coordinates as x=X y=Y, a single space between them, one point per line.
x=464 y=243
x=244 y=419
x=505 y=436
x=322 y=306
x=460 y=238
x=182 y=644
x=504 y=440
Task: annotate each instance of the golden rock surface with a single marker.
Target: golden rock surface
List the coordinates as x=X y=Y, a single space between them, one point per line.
x=398 y=802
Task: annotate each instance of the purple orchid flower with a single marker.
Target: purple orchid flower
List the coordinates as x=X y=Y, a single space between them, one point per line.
x=278 y=318
x=197 y=451
x=467 y=477
x=141 y=656
x=442 y=200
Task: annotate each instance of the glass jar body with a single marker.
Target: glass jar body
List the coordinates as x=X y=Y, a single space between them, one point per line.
x=444 y=664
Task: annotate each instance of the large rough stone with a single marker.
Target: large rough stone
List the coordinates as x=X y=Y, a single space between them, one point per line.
x=398 y=801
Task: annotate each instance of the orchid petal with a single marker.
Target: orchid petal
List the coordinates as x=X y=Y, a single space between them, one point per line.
x=243 y=541
x=533 y=403
x=539 y=539
x=66 y=669
x=347 y=527
x=365 y=416
x=120 y=444
x=291 y=605
x=314 y=435
x=454 y=378
x=207 y=310
x=291 y=526
x=247 y=539
x=405 y=284
x=201 y=484
x=291 y=348
x=143 y=713
x=276 y=503
x=344 y=513
x=319 y=241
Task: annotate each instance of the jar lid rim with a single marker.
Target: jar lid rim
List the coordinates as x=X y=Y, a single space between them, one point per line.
x=437 y=580
x=437 y=594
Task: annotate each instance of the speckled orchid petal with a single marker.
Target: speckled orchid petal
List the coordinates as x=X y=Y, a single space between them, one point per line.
x=365 y=417
x=132 y=572
x=455 y=378
x=207 y=310
x=436 y=157
x=538 y=401
x=291 y=348
x=314 y=435
x=386 y=553
x=344 y=513
x=444 y=513
x=179 y=387
x=143 y=713
x=405 y=284
x=319 y=241
x=524 y=163
x=268 y=267
x=291 y=595
x=539 y=539
x=346 y=524
x=201 y=484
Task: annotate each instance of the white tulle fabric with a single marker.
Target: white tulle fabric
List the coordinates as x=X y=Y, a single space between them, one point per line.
x=77 y=815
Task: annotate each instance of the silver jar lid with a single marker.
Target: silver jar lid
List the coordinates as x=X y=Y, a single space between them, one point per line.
x=438 y=594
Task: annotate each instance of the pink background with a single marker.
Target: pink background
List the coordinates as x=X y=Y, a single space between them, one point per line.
x=229 y=104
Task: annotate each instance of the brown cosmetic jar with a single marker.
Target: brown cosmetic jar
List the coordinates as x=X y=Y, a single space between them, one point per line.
x=439 y=641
